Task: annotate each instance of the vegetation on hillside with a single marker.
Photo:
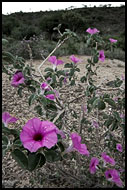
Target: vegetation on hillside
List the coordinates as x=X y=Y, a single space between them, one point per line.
x=37 y=30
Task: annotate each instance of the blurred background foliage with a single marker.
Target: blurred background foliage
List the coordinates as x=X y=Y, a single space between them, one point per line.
x=36 y=28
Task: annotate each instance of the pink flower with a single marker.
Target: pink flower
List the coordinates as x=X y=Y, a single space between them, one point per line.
x=7 y=118
x=65 y=80
x=74 y=59
x=113 y=175
x=92 y=31
x=76 y=145
x=108 y=159
x=101 y=55
x=56 y=93
x=55 y=61
x=44 y=86
x=112 y=40
x=122 y=77
x=122 y=115
x=36 y=134
x=50 y=96
x=48 y=79
x=94 y=162
x=119 y=147
x=115 y=99
x=17 y=79
x=95 y=124
x=84 y=108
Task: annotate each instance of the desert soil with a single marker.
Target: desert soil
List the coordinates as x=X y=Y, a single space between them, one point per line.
x=12 y=175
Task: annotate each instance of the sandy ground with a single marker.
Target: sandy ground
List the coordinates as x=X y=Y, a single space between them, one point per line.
x=12 y=175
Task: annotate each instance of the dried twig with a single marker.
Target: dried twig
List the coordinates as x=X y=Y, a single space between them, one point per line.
x=57 y=117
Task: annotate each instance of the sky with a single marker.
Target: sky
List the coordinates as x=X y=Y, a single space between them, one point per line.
x=11 y=7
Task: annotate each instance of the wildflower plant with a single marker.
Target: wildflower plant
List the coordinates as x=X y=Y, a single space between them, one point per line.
x=47 y=139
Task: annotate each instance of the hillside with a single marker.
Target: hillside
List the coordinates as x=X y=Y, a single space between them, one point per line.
x=110 y=21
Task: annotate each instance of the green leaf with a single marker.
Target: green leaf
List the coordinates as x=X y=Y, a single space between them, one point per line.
x=88 y=41
x=83 y=79
x=89 y=61
x=33 y=161
x=61 y=146
x=95 y=59
x=32 y=89
x=32 y=98
x=105 y=116
x=10 y=131
x=116 y=115
x=72 y=72
x=77 y=69
x=99 y=104
x=68 y=65
x=6 y=130
x=49 y=92
x=48 y=69
x=74 y=114
x=42 y=160
x=72 y=82
x=21 y=158
x=18 y=142
x=5 y=140
x=59 y=73
x=106 y=96
x=4 y=152
x=110 y=102
x=90 y=101
x=43 y=100
x=20 y=91
x=114 y=125
x=52 y=156
x=38 y=109
x=83 y=120
x=51 y=107
x=4 y=41
x=109 y=121
x=54 y=78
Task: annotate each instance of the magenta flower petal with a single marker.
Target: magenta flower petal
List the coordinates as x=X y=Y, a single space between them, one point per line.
x=122 y=77
x=95 y=124
x=101 y=55
x=50 y=96
x=76 y=139
x=81 y=148
x=74 y=59
x=17 y=79
x=52 y=59
x=7 y=118
x=93 y=163
x=108 y=159
x=112 y=40
x=44 y=86
x=48 y=79
x=113 y=175
x=92 y=31
x=50 y=139
x=36 y=134
x=56 y=93
x=48 y=126
x=59 y=62
x=119 y=147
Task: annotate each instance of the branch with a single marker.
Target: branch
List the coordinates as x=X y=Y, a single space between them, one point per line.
x=57 y=117
x=76 y=98
x=57 y=46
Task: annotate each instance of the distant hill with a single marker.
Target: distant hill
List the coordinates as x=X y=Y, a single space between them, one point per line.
x=110 y=21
